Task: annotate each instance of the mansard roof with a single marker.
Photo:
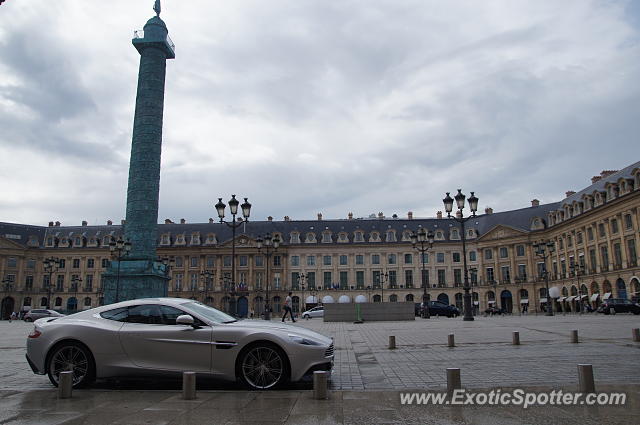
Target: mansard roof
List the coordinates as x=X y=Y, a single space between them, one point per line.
x=601 y=185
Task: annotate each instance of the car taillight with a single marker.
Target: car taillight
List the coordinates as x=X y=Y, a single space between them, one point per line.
x=35 y=333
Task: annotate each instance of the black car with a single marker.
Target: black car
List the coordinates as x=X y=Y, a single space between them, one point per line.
x=494 y=310
x=437 y=308
x=619 y=306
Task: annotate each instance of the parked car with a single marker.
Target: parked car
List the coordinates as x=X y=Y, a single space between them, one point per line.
x=619 y=306
x=437 y=308
x=166 y=336
x=39 y=313
x=314 y=312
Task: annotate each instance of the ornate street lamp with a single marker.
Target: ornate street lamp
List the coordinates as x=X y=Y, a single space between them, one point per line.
x=384 y=277
x=301 y=278
x=51 y=265
x=119 y=249
x=207 y=277
x=422 y=237
x=545 y=250
x=577 y=271
x=459 y=217
x=270 y=245
x=234 y=224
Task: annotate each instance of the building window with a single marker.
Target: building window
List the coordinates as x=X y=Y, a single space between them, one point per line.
x=424 y=257
x=311 y=238
x=520 y=250
x=522 y=271
x=294 y=237
x=440 y=257
x=601 y=230
x=226 y=261
x=360 y=279
x=408 y=278
x=456 y=257
x=277 y=260
x=90 y=263
x=569 y=241
x=326 y=280
x=311 y=280
x=60 y=283
x=244 y=260
x=391 y=259
x=311 y=260
x=490 y=276
x=628 y=222
x=457 y=277
x=488 y=254
x=473 y=276
x=179 y=262
x=424 y=274
x=604 y=254
x=177 y=282
x=194 y=261
x=343 y=260
x=472 y=256
x=442 y=281
x=28 y=283
x=503 y=252
x=617 y=255
x=590 y=233
x=295 y=281
x=359 y=259
x=393 y=279
x=295 y=260
x=375 y=259
x=408 y=258
x=358 y=237
x=193 y=284
x=344 y=282
x=631 y=249
x=31 y=263
x=211 y=261
x=259 y=261
x=376 y=279
x=88 y=282
x=614 y=226
x=579 y=238
x=326 y=237
x=326 y=260
x=104 y=263
x=75 y=263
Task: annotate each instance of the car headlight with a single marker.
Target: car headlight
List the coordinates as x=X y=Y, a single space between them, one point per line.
x=303 y=341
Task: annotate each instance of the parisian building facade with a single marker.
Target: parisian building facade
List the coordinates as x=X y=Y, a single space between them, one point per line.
x=595 y=234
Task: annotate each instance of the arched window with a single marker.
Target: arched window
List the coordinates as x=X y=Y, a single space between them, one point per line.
x=87 y=302
x=621 y=289
x=277 y=304
x=524 y=294
x=542 y=292
x=491 y=296
x=27 y=302
x=459 y=302
x=574 y=291
x=377 y=298
x=43 y=302
x=393 y=298
x=409 y=298
x=58 y=302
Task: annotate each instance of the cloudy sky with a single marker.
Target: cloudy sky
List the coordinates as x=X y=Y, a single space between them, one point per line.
x=308 y=106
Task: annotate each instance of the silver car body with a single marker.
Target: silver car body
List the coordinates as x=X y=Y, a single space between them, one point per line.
x=125 y=349
x=39 y=313
x=314 y=312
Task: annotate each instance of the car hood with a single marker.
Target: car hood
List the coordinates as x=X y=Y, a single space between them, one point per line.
x=281 y=327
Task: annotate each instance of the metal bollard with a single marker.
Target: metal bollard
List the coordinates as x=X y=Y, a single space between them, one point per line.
x=453 y=379
x=188 y=385
x=451 y=340
x=320 y=385
x=392 y=342
x=585 y=379
x=636 y=334
x=516 y=338
x=574 y=336
x=65 y=384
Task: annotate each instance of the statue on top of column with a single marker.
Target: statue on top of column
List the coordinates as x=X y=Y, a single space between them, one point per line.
x=156 y=8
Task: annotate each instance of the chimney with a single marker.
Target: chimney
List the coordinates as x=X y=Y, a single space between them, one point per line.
x=380 y=216
x=350 y=216
x=569 y=193
x=488 y=210
x=607 y=173
x=210 y=220
x=319 y=216
x=109 y=222
x=168 y=221
x=439 y=214
x=269 y=218
x=84 y=222
x=535 y=203
x=123 y=222
x=51 y=224
x=57 y=224
x=410 y=215
x=286 y=218
x=595 y=179
x=183 y=221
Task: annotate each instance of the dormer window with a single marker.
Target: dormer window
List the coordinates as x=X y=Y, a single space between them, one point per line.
x=106 y=240
x=406 y=236
x=165 y=239
x=49 y=241
x=342 y=237
x=471 y=233
x=358 y=236
x=326 y=237
x=391 y=236
x=455 y=234
x=294 y=237
x=211 y=239
x=33 y=241
x=311 y=238
x=77 y=241
x=180 y=239
x=195 y=239
x=375 y=237
x=440 y=235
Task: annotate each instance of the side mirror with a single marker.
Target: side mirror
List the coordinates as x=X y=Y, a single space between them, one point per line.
x=184 y=319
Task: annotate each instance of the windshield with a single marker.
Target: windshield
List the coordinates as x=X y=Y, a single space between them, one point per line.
x=209 y=313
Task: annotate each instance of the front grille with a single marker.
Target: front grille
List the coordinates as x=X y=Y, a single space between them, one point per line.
x=329 y=351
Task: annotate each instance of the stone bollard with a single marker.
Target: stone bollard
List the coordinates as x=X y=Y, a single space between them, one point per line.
x=188 y=385
x=516 y=338
x=392 y=342
x=65 y=384
x=451 y=340
x=636 y=334
x=612 y=310
x=585 y=379
x=453 y=379
x=574 y=336
x=320 y=385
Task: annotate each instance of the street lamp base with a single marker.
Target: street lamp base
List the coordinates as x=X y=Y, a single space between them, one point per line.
x=267 y=315
x=549 y=313
x=468 y=318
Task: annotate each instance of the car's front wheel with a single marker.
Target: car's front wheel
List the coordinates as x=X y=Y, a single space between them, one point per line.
x=263 y=366
x=75 y=357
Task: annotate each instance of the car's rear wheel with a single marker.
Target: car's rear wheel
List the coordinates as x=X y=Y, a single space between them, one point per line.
x=263 y=366
x=75 y=357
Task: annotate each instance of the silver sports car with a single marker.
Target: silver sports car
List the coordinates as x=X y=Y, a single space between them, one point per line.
x=172 y=335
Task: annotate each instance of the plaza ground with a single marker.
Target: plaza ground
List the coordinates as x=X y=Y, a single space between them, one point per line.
x=368 y=377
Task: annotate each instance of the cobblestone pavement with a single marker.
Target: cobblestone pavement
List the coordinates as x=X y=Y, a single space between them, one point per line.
x=483 y=352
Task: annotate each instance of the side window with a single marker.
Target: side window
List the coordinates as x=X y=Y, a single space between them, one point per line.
x=146 y=313
x=118 y=314
x=170 y=314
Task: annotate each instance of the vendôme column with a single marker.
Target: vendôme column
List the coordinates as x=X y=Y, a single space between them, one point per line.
x=139 y=274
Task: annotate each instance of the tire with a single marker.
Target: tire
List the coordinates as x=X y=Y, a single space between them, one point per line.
x=306 y=316
x=262 y=366
x=71 y=353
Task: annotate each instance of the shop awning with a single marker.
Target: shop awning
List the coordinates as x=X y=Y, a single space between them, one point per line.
x=524 y=301
x=491 y=302
x=594 y=297
x=561 y=299
x=361 y=299
x=312 y=300
x=582 y=297
x=344 y=299
x=328 y=299
x=606 y=296
x=571 y=298
x=543 y=300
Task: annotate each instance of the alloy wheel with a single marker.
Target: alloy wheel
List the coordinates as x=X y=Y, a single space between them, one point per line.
x=262 y=367
x=69 y=358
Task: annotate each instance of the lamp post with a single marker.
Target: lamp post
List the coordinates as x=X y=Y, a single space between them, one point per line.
x=234 y=224
x=459 y=217
x=419 y=239
x=368 y=293
x=576 y=270
x=301 y=278
x=51 y=265
x=207 y=277
x=119 y=249
x=270 y=245
x=384 y=277
x=544 y=250
x=75 y=282
x=168 y=263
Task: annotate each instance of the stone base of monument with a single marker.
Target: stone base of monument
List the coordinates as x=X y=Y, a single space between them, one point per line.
x=137 y=279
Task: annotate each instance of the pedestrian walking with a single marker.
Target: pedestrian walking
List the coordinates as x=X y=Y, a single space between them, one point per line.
x=14 y=316
x=287 y=308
